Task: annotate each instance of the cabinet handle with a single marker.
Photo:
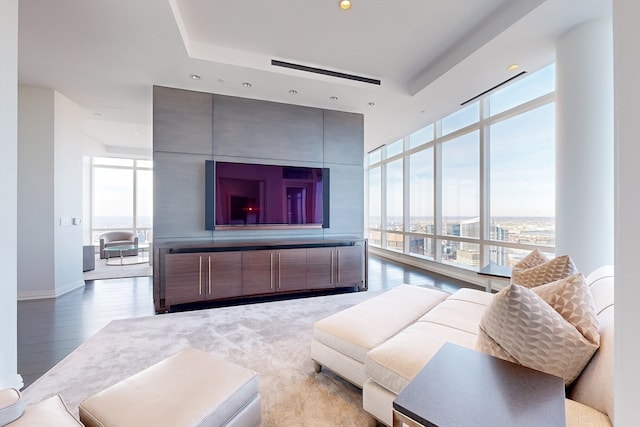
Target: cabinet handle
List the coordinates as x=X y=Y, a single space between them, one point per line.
x=338 y=262
x=200 y=276
x=279 y=282
x=209 y=278
x=271 y=269
x=331 y=253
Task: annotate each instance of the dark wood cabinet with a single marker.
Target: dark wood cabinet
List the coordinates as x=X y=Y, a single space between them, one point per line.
x=192 y=272
x=193 y=277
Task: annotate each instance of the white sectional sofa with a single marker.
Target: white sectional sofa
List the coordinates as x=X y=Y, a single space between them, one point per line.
x=382 y=343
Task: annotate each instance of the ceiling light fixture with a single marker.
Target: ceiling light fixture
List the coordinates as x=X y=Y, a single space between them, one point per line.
x=345 y=4
x=97 y=114
x=221 y=81
x=195 y=77
x=371 y=104
x=247 y=85
x=513 y=67
x=333 y=98
x=293 y=92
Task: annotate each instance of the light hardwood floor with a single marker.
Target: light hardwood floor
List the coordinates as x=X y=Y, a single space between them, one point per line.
x=50 y=329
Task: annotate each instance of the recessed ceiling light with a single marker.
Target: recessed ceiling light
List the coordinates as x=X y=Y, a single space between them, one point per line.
x=195 y=77
x=221 y=81
x=136 y=132
x=247 y=85
x=293 y=92
x=371 y=104
x=423 y=111
x=513 y=67
x=97 y=114
x=345 y=4
x=333 y=98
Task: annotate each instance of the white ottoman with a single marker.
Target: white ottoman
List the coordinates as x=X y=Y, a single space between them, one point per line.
x=342 y=340
x=191 y=388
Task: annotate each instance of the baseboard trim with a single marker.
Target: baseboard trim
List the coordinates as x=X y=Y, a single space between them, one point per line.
x=31 y=295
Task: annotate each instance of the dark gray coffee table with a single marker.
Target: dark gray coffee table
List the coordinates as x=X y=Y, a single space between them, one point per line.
x=460 y=387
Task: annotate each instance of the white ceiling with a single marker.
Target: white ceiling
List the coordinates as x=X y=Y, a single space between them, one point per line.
x=430 y=55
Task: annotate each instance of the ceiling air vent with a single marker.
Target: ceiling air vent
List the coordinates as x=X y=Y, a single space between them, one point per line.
x=493 y=88
x=325 y=72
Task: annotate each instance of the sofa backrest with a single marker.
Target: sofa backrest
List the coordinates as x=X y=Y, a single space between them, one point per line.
x=115 y=236
x=594 y=386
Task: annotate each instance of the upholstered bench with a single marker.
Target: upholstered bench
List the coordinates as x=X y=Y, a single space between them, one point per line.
x=190 y=388
x=342 y=340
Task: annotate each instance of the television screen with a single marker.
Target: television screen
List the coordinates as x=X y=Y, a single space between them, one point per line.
x=255 y=194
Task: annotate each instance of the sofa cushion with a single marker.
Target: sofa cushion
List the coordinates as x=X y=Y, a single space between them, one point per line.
x=360 y=328
x=394 y=363
x=579 y=415
x=51 y=412
x=550 y=271
x=532 y=333
x=456 y=314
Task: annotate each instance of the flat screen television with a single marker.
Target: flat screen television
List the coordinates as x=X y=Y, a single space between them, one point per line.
x=260 y=195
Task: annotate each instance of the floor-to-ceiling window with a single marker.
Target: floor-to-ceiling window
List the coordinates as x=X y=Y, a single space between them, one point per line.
x=122 y=197
x=476 y=186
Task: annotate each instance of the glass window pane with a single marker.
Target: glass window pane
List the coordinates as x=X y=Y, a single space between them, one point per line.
x=112 y=161
x=375 y=198
x=422 y=136
x=375 y=156
x=113 y=198
x=461 y=185
x=395 y=242
x=523 y=90
x=144 y=201
x=144 y=164
x=461 y=254
x=394 y=195
x=421 y=246
x=461 y=118
x=522 y=178
x=509 y=256
x=375 y=238
x=421 y=192
x=395 y=148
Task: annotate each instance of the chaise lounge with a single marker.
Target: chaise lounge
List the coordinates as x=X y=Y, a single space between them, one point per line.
x=382 y=343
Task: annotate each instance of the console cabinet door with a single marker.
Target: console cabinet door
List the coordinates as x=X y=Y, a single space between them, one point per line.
x=257 y=272
x=184 y=280
x=224 y=275
x=348 y=266
x=291 y=270
x=320 y=270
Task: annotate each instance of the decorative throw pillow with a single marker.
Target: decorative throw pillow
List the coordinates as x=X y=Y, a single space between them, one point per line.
x=534 y=258
x=521 y=327
x=550 y=271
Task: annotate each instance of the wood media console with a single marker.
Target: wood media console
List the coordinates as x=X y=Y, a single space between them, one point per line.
x=190 y=272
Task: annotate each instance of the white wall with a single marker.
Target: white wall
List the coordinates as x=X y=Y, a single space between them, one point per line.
x=584 y=148
x=49 y=189
x=626 y=35
x=35 y=192
x=67 y=168
x=8 y=192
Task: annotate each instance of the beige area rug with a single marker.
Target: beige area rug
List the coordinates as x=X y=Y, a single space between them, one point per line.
x=272 y=338
x=104 y=271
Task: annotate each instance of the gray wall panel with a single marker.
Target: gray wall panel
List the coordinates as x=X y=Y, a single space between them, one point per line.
x=347 y=200
x=343 y=137
x=182 y=121
x=191 y=127
x=266 y=130
x=178 y=196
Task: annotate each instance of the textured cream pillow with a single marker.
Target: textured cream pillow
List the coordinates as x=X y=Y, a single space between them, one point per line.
x=534 y=258
x=520 y=326
x=550 y=271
